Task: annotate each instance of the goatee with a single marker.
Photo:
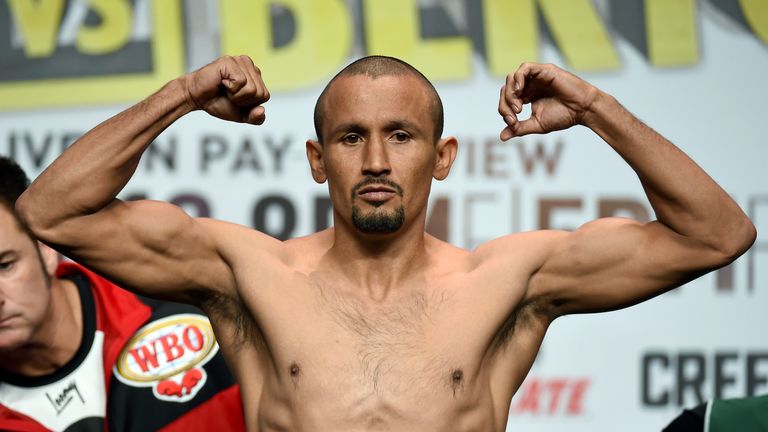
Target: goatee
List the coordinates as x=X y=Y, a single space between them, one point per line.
x=378 y=221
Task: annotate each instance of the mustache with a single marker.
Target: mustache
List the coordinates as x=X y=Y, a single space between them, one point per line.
x=369 y=180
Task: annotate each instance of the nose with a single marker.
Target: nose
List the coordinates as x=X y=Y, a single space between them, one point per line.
x=376 y=158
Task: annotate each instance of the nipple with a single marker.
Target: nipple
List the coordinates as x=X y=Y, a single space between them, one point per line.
x=457 y=377
x=294 y=370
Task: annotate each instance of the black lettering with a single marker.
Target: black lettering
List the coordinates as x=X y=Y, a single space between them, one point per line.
x=494 y=162
x=648 y=359
x=469 y=150
x=755 y=382
x=246 y=155
x=12 y=146
x=38 y=155
x=165 y=154
x=278 y=151
x=283 y=205
x=723 y=380
x=539 y=156
x=212 y=147
x=693 y=381
x=323 y=206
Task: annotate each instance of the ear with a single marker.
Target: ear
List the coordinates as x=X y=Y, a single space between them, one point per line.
x=444 y=156
x=316 y=163
x=50 y=258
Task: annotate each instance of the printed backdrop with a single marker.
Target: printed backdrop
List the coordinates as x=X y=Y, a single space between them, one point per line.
x=694 y=70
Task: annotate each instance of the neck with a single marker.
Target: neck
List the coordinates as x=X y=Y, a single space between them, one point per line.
x=56 y=341
x=379 y=263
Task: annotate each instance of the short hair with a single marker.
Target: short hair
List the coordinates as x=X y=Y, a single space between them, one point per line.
x=13 y=182
x=376 y=66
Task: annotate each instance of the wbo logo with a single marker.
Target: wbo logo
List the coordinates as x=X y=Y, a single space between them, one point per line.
x=168 y=355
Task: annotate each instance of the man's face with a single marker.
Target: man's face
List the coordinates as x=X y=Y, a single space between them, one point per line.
x=378 y=152
x=25 y=292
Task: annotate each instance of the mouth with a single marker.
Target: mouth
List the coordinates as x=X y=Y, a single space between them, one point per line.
x=6 y=320
x=377 y=191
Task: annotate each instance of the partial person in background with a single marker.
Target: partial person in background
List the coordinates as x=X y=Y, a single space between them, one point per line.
x=748 y=414
x=77 y=353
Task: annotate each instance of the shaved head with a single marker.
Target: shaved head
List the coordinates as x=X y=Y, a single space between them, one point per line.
x=375 y=67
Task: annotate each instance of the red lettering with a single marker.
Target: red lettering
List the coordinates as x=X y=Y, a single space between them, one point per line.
x=529 y=400
x=555 y=388
x=145 y=354
x=562 y=395
x=196 y=341
x=171 y=346
x=578 y=389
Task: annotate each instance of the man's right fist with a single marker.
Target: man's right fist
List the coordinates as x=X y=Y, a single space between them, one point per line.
x=230 y=88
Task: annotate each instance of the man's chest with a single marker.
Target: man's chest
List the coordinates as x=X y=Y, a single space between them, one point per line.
x=418 y=354
x=434 y=334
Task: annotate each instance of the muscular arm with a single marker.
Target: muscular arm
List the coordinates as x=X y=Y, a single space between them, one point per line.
x=151 y=247
x=612 y=263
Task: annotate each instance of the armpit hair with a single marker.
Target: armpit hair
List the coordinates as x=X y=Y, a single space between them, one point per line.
x=221 y=307
x=524 y=315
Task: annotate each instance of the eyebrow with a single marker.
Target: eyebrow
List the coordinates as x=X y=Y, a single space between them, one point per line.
x=389 y=126
x=401 y=124
x=347 y=127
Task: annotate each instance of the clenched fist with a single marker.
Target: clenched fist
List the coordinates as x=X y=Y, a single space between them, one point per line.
x=230 y=88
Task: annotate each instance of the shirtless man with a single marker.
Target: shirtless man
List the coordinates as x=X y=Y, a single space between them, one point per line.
x=374 y=324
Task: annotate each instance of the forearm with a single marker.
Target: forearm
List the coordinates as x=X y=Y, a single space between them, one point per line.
x=89 y=174
x=684 y=197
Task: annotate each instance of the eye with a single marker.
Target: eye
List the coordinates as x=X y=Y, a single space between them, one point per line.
x=351 y=138
x=6 y=265
x=400 y=137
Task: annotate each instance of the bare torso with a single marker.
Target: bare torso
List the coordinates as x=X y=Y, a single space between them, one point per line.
x=326 y=335
x=444 y=351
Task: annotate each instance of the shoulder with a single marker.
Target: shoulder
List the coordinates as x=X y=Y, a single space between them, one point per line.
x=515 y=251
x=530 y=247
x=310 y=248
x=234 y=241
x=531 y=250
x=241 y=244
x=446 y=258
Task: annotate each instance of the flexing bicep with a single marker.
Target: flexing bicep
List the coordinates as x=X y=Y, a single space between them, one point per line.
x=149 y=247
x=613 y=263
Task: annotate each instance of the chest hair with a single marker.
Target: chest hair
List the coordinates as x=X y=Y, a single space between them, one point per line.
x=392 y=341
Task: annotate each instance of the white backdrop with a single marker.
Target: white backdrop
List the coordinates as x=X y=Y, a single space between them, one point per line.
x=630 y=370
